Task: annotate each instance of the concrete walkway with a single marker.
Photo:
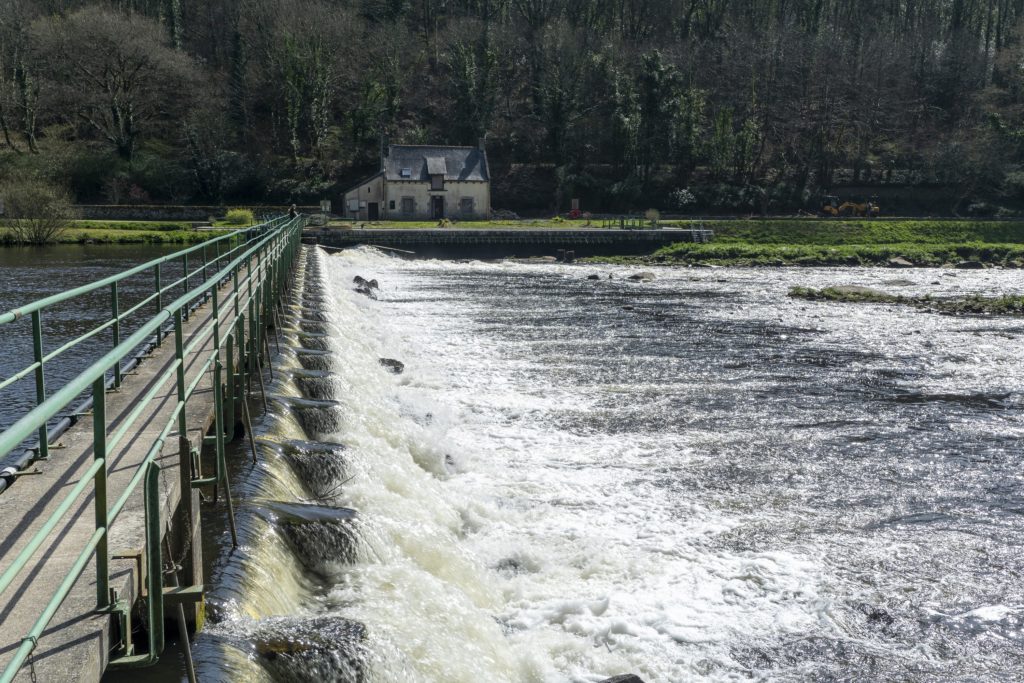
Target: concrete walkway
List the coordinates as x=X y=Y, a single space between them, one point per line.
x=77 y=642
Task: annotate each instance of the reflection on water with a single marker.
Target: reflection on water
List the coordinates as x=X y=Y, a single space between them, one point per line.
x=31 y=273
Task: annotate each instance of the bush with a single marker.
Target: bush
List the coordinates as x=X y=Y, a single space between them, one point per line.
x=239 y=217
x=35 y=212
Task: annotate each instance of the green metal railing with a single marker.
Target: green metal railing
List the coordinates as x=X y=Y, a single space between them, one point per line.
x=243 y=274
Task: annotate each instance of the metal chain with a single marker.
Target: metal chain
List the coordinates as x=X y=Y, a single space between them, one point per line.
x=31 y=659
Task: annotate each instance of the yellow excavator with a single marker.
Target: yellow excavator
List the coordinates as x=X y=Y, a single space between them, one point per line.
x=830 y=207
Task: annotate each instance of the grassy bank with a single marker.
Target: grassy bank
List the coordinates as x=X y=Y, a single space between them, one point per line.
x=811 y=242
x=129 y=232
x=973 y=305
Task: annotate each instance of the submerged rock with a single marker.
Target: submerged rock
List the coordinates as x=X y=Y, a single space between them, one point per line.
x=593 y=276
x=623 y=678
x=645 y=276
x=395 y=366
x=970 y=265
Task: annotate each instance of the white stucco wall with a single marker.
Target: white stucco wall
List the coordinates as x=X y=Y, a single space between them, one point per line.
x=453 y=194
x=372 y=191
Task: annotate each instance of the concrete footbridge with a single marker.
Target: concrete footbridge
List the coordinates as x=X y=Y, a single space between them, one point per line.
x=100 y=478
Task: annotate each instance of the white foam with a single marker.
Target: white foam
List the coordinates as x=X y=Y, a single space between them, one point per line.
x=534 y=554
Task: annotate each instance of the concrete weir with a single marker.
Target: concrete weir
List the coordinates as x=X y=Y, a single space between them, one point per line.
x=497 y=243
x=151 y=464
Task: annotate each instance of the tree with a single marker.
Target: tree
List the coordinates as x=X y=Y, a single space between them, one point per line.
x=35 y=212
x=115 y=74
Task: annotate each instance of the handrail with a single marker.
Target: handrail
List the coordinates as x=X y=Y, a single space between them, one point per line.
x=39 y=304
x=265 y=260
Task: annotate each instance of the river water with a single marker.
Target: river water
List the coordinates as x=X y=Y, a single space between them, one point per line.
x=690 y=478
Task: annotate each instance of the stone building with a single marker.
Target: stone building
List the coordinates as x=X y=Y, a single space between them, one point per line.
x=424 y=182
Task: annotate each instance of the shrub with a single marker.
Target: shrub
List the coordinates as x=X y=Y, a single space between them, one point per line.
x=239 y=217
x=35 y=212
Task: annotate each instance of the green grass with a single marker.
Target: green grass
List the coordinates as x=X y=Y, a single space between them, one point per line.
x=810 y=231
x=972 y=305
x=148 y=226
x=919 y=254
x=129 y=236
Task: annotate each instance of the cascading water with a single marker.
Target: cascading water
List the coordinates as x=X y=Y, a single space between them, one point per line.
x=691 y=479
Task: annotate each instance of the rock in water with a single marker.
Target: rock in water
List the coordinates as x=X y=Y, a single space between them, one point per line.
x=645 y=276
x=593 y=276
x=372 y=284
x=395 y=366
x=366 y=290
x=360 y=281
x=900 y=262
x=970 y=265
x=623 y=678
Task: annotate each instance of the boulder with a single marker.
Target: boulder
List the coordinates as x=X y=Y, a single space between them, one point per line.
x=899 y=262
x=395 y=366
x=623 y=678
x=366 y=290
x=361 y=281
x=645 y=276
x=970 y=265
x=593 y=276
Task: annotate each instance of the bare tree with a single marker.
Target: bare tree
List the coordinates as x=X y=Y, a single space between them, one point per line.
x=35 y=212
x=115 y=73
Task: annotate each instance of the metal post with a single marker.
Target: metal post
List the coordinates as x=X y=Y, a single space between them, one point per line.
x=117 y=332
x=229 y=348
x=37 y=353
x=99 y=450
x=179 y=355
x=218 y=412
x=184 y=274
x=154 y=560
x=159 y=301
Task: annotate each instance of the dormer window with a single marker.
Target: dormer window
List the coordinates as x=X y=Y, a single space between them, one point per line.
x=406 y=172
x=436 y=169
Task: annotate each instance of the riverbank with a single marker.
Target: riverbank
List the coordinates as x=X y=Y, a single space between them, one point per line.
x=824 y=242
x=129 y=232
x=970 y=305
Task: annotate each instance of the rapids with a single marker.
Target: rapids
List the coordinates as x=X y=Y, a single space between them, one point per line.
x=694 y=478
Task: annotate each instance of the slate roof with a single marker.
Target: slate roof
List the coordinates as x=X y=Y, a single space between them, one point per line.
x=457 y=163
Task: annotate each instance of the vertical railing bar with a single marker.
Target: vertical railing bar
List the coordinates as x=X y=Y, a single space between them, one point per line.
x=117 y=332
x=99 y=448
x=37 y=353
x=159 y=301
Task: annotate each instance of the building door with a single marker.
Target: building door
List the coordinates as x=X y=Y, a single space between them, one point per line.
x=437 y=207
x=372 y=211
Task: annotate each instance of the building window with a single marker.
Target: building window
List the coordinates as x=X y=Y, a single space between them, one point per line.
x=406 y=172
x=391 y=204
x=466 y=205
x=437 y=182
x=408 y=205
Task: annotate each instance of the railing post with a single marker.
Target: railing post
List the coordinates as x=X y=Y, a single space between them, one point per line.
x=179 y=354
x=99 y=450
x=115 y=309
x=154 y=560
x=222 y=469
x=37 y=353
x=229 y=348
x=159 y=301
x=184 y=275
